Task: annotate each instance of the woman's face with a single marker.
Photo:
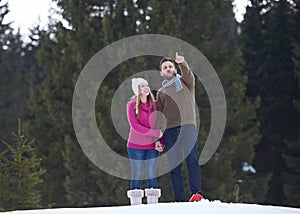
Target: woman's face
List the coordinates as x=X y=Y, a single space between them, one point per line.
x=144 y=89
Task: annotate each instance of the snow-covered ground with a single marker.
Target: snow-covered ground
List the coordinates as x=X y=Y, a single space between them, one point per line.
x=204 y=206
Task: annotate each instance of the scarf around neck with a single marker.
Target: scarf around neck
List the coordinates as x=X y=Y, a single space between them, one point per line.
x=176 y=80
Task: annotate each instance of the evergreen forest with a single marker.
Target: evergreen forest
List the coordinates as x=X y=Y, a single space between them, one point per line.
x=257 y=61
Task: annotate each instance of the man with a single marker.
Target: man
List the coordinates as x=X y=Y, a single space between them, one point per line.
x=176 y=101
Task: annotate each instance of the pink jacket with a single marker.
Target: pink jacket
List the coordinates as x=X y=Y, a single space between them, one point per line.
x=142 y=132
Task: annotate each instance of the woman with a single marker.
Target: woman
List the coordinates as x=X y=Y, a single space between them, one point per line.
x=142 y=145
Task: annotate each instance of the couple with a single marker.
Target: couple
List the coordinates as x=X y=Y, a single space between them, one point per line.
x=176 y=101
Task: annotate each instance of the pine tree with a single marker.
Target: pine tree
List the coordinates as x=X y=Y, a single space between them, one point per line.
x=271 y=77
x=59 y=62
x=253 y=37
x=20 y=174
x=277 y=113
x=13 y=93
x=254 y=51
x=61 y=58
x=291 y=187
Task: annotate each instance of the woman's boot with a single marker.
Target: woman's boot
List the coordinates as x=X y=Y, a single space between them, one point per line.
x=135 y=196
x=152 y=195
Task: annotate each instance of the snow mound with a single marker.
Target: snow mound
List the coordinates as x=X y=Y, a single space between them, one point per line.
x=204 y=206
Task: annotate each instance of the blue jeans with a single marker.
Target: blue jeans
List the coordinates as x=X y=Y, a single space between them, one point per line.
x=182 y=144
x=139 y=158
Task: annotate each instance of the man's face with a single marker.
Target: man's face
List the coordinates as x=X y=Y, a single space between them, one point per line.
x=168 y=69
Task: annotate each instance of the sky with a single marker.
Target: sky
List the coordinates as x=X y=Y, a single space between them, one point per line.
x=204 y=206
x=24 y=15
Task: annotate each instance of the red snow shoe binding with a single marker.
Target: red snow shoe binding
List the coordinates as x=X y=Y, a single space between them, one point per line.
x=196 y=197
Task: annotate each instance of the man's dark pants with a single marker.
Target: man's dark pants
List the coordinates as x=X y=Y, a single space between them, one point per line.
x=182 y=144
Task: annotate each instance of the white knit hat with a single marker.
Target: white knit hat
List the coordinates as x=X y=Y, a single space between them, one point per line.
x=135 y=82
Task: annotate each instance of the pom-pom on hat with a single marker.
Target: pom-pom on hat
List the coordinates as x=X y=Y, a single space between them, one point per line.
x=135 y=82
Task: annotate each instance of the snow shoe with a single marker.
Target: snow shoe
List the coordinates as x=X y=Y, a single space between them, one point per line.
x=152 y=195
x=196 y=197
x=135 y=196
